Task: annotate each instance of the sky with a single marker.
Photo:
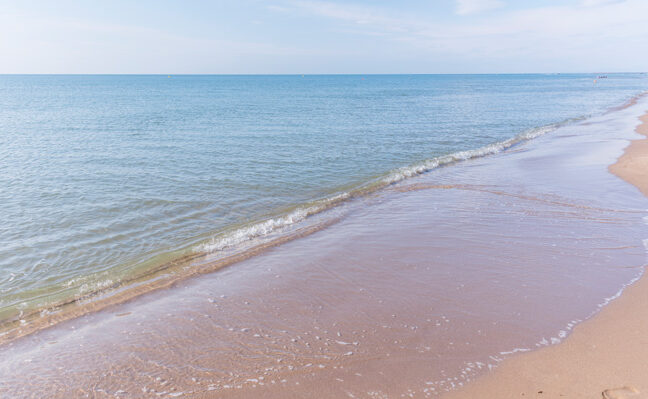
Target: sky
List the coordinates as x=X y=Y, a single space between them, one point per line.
x=323 y=36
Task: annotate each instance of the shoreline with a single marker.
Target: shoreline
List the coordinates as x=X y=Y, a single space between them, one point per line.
x=396 y=298
x=200 y=261
x=136 y=249
x=603 y=357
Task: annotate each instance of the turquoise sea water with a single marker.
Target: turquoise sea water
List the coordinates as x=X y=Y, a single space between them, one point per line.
x=101 y=176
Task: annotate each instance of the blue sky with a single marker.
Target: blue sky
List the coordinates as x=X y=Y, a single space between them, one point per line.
x=328 y=36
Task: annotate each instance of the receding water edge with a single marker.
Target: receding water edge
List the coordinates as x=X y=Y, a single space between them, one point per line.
x=225 y=247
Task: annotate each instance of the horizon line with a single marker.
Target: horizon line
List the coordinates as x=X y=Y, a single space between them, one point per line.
x=317 y=74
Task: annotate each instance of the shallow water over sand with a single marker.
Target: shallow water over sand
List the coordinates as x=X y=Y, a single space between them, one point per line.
x=104 y=179
x=417 y=289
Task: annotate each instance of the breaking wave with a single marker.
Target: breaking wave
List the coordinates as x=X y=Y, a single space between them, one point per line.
x=232 y=238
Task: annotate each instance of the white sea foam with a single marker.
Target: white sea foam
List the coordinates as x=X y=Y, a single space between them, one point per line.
x=562 y=334
x=238 y=236
x=263 y=228
x=516 y=350
x=607 y=300
x=427 y=165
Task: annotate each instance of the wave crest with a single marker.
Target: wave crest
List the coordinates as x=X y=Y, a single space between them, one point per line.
x=232 y=238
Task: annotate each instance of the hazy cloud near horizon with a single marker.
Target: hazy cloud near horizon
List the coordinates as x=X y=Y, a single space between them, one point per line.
x=323 y=36
x=474 y=6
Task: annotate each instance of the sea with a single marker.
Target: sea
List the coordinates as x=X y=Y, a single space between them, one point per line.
x=106 y=180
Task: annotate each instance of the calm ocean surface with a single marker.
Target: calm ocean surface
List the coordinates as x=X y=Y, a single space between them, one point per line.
x=105 y=176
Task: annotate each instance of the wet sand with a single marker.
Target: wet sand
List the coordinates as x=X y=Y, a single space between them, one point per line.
x=411 y=292
x=604 y=357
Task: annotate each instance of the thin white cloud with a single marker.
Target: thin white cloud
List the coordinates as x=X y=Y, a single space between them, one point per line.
x=345 y=37
x=594 y=3
x=348 y=12
x=72 y=45
x=559 y=36
x=465 y=7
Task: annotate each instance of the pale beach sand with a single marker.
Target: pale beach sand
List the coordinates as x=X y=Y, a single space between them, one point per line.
x=632 y=166
x=606 y=356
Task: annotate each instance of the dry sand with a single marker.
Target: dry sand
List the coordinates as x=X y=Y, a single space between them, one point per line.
x=633 y=165
x=604 y=357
